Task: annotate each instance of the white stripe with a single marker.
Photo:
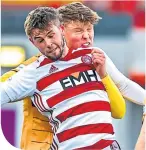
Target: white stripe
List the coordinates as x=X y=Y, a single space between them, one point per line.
x=80 y=49
x=86 y=119
x=84 y=140
x=89 y=96
x=51 y=90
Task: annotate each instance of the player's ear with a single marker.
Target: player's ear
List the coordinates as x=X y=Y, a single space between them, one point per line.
x=62 y=28
x=30 y=39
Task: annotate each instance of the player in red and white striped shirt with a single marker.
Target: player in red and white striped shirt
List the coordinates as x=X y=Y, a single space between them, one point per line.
x=65 y=86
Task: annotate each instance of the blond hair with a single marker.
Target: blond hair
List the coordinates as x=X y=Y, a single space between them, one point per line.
x=76 y=11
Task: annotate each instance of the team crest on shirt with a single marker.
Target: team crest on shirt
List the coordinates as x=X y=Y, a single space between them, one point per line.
x=86 y=59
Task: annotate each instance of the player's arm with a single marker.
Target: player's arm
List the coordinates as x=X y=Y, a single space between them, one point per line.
x=22 y=84
x=129 y=89
x=9 y=74
x=117 y=103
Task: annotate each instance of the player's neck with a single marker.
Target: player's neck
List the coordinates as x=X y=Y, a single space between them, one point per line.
x=65 y=52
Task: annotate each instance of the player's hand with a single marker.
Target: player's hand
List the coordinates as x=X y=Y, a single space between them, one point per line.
x=99 y=61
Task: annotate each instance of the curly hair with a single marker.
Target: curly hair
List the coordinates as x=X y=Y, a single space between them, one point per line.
x=76 y=11
x=40 y=18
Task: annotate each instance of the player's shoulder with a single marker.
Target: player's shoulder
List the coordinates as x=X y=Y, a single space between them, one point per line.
x=29 y=62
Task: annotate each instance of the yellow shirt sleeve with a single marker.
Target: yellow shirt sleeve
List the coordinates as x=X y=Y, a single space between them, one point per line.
x=117 y=102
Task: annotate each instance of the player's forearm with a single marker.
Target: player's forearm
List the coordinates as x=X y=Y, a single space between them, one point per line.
x=132 y=91
x=118 y=106
x=21 y=85
x=4 y=96
x=129 y=89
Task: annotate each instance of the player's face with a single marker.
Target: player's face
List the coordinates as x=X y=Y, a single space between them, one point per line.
x=78 y=34
x=49 y=41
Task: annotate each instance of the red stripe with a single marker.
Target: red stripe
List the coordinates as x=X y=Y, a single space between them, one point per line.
x=45 y=62
x=97 y=146
x=86 y=129
x=77 y=54
x=84 y=108
x=40 y=98
x=46 y=81
x=73 y=91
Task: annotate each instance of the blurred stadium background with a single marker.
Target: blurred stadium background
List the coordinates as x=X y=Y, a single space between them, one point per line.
x=121 y=34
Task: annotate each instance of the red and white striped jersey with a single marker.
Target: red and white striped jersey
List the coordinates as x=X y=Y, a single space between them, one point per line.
x=70 y=93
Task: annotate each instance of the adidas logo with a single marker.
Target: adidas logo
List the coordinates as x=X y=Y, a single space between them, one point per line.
x=53 y=69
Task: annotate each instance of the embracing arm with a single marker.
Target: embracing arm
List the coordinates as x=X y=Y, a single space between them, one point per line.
x=129 y=89
x=20 y=85
x=117 y=103
x=12 y=72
